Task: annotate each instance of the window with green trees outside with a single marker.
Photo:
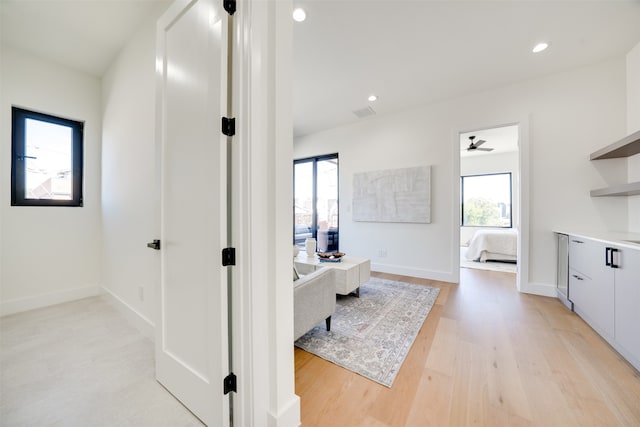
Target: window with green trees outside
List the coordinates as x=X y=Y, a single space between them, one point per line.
x=486 y=200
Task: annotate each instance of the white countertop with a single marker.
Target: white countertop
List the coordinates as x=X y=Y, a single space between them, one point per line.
x=612 y=237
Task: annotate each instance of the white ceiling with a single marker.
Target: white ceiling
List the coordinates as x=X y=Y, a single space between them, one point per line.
x=408 y=52
x=417 y=52
x=83 y=34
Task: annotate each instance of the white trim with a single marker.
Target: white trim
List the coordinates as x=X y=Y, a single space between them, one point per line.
x=455 y=201
x=139 y=320
x=523 y=210
x=249 y=378
x=522 y=280
x=542 y=289
x=19 y=305
x=263 y=152
x=442 y=276
x=289 y=414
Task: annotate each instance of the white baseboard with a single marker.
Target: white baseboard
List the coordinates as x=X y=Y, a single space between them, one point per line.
x=443 y=276
x=139 y=320
x=288 y=415
x=19 y=305
x=542 y=289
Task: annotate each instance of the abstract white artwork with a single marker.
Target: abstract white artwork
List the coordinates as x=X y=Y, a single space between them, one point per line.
x=393 y=195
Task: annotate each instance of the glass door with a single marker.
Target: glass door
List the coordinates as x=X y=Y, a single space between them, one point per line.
x=316 y=202
x=303 y=218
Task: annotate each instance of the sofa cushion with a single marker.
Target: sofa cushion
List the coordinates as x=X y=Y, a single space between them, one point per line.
x=314 y=299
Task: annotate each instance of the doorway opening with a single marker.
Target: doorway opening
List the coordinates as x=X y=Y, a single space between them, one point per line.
x=490 y=199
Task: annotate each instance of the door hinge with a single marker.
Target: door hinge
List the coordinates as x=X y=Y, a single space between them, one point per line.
x=228 y=126
x=154 y=245
x=230 y=383
x=229 y=6
x=228 y=256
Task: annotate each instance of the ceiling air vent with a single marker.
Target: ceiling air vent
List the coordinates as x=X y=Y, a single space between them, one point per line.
x=364 y=112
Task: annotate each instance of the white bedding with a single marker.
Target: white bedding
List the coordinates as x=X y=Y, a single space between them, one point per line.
x=495 y=244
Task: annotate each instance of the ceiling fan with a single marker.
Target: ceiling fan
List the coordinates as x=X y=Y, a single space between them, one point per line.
x=475 y=146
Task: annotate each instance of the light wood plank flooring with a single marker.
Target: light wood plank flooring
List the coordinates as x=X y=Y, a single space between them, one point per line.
x=81 y=364
x=487 y=356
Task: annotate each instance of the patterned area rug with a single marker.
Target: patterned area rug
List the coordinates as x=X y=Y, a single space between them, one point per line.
x=372 y=335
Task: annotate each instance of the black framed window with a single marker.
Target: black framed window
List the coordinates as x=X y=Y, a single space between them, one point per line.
x=486 y=200
x=315 y=201
x=46 y=161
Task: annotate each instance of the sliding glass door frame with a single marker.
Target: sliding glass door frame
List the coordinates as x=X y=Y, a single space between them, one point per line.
x=314 y=198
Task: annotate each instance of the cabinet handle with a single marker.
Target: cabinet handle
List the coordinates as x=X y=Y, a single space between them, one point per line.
x=577 y=277
x=613 y=264
x=577 y=241
x=608 y=257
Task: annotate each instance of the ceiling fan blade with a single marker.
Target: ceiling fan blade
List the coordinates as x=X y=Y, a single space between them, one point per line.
x=484 y=149
x=480 y=142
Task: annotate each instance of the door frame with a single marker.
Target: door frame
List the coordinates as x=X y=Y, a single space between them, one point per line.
x=262 y=307
x=522 y=280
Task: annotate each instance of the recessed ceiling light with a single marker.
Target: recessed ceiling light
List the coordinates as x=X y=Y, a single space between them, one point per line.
x=540 y=47
x=372 y=98
x=299 y=14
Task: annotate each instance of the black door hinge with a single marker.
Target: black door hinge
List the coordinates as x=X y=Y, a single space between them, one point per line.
x=154 y=245
x=230 y=383
x=228 y=126
x=229 y=6
x=228 y=256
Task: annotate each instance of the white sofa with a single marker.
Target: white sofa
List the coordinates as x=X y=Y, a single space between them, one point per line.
x=314 y=300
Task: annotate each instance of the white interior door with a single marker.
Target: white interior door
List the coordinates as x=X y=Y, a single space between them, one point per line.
x=191 y=337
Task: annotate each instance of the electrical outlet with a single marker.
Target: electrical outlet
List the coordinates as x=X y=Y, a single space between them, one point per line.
x=141 y=293
x=382 y=253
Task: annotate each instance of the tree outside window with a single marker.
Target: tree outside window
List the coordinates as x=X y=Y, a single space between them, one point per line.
x=486 y=200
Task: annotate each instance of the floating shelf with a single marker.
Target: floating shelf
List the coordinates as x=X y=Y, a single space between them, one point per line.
x=631 y=189
x=626 y=147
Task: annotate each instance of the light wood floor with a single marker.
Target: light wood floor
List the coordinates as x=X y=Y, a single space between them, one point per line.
x=487 y=356
x=81 y=364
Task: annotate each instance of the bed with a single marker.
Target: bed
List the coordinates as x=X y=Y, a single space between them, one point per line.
x=493 y=245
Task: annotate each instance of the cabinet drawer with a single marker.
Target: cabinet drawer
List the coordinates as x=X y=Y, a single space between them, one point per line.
x=593 y=300
x=586 y=256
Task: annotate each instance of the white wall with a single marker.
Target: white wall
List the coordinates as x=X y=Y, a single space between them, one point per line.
x=492 y=163
x=129 y=187
x=633 y=89
x=570 y=115
x=633 y=125
x=49 y=254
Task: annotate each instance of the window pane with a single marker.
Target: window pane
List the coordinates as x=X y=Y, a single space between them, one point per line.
x=327 y=205
x=48 y=160
x=487 y=200
x=303 y=202
x=327 y=194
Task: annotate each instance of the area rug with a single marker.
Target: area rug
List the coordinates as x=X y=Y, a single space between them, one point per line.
x=372 y=335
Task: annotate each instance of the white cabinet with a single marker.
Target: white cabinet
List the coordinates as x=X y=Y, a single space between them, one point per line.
x=585 y=255
x=627 y=304
x=604 y=286
x=591 y=285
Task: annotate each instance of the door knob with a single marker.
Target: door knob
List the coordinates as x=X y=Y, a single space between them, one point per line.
x=154 y=245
